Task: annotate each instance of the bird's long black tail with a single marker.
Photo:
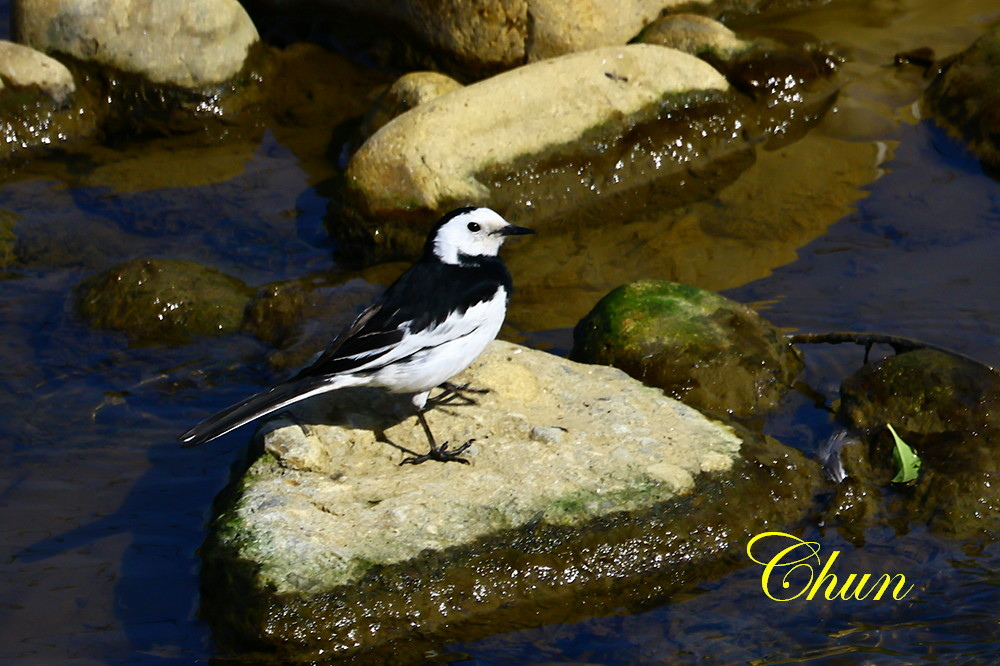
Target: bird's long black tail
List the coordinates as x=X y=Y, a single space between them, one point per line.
x=254 y=407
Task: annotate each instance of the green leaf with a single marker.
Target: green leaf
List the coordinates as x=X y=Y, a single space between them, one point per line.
x=907 y=462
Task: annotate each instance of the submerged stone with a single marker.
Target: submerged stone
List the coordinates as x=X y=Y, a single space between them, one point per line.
x=165 y=300
x=582 y=483
x=713 y=353
x=947 y=410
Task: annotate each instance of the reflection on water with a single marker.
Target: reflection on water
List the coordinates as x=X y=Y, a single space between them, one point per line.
x=917 y=258
x=102 y=514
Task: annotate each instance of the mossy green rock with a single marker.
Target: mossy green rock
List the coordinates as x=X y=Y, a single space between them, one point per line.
x=713 y=353
x=164 y=300
x=946 y=409
x=965 y=97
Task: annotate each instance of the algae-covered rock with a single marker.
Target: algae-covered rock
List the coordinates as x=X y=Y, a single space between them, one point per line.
x=965 y=97
x=923 y=392
x=856 y=503
x=163 y=300
x=946 y=409
x=706 y=350
x=586 y=491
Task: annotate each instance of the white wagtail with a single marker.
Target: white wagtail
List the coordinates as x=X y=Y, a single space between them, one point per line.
x=427 y=327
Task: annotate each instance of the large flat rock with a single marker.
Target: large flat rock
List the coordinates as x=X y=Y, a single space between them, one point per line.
x=329 y=544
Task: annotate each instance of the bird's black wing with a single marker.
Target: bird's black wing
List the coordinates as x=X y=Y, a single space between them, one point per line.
x=398 y=324
x=421 y=298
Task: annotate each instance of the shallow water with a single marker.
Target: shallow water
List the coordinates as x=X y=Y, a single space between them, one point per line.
x=102 y=513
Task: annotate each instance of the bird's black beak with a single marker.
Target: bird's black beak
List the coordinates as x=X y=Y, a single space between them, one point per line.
x=514 y=230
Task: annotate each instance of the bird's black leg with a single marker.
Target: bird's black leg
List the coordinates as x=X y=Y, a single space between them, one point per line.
x=439 y=453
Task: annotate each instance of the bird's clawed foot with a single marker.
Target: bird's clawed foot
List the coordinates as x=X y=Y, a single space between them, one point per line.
x=440 y=454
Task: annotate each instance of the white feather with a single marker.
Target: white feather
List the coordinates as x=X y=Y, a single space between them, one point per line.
x=439 y=353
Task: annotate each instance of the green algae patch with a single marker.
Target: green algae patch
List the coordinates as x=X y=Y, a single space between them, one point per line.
x=163 y=300
x=707 y=350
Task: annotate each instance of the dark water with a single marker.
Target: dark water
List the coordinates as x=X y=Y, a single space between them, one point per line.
x=917 y=258
x=102 y=514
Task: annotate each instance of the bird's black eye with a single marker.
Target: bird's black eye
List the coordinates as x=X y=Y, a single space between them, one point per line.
x=474 y=226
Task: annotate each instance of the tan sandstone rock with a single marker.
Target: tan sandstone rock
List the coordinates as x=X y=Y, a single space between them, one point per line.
x=429 y=158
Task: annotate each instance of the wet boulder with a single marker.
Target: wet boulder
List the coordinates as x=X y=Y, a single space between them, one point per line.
x=791 y=86
x=163 y=300
x=149 y=66
x=22 y=67
x=486 y=37
x=186 y=43
x=587 y=492
x=408 y=91
x=37 y=102
x=964 y=98
x=694 y=34
x=542 y=139
x=713 y=353
x=945 y=408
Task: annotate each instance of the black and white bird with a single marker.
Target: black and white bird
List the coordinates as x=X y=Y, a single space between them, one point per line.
x=427 y=327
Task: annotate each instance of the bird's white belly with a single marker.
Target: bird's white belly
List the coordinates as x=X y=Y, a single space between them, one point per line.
x=459 y=342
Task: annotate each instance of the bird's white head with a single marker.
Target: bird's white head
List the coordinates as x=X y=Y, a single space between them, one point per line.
x=470 y=232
